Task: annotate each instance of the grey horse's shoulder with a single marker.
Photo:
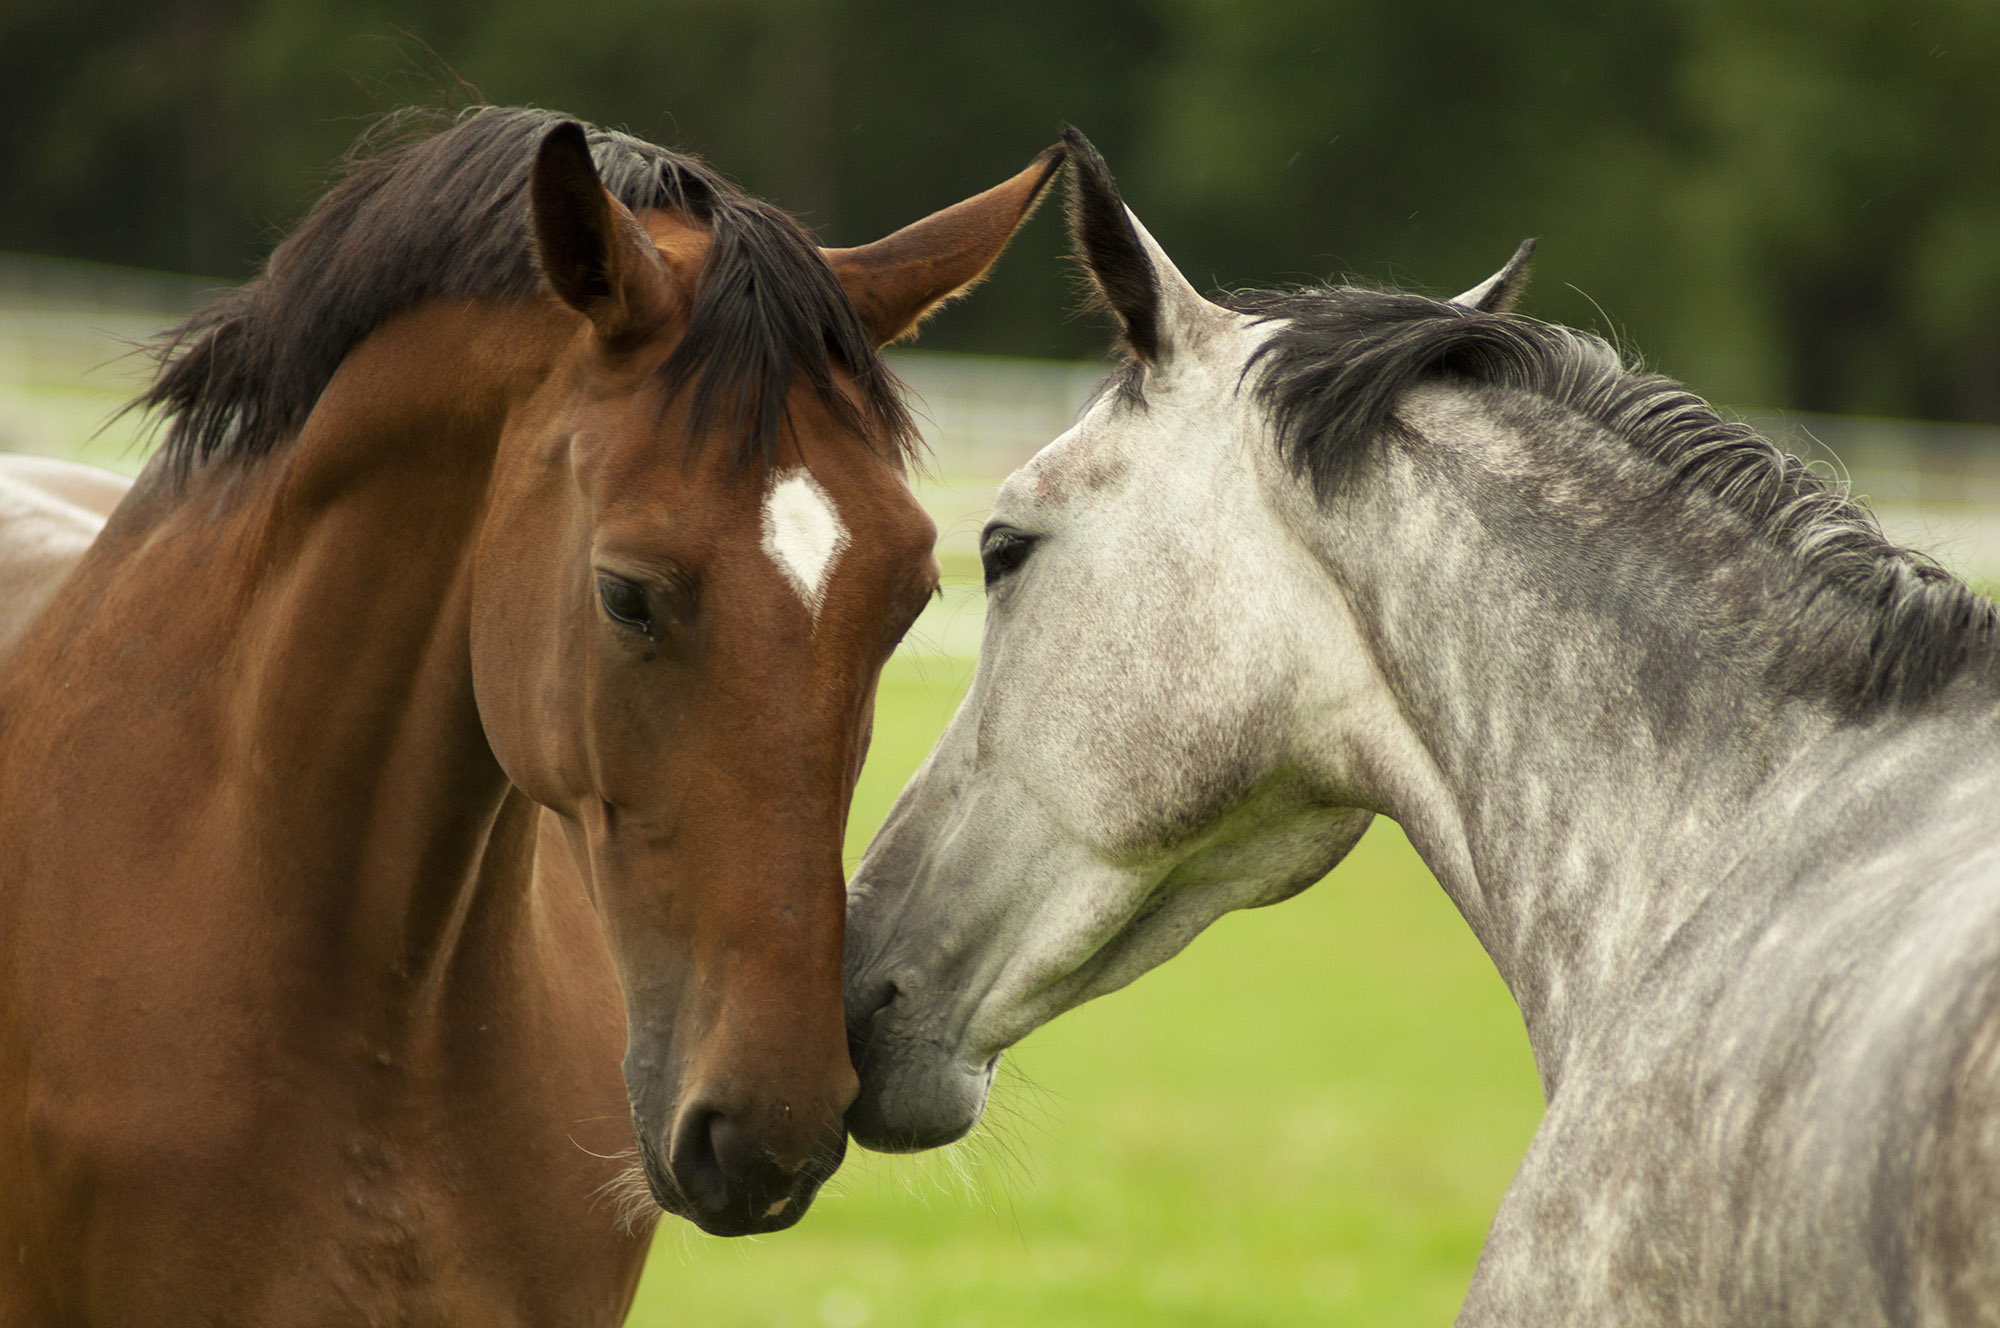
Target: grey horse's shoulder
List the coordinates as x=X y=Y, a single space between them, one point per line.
x=1815 y=1076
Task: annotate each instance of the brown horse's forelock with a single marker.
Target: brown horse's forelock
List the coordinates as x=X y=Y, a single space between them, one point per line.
x=442 y=213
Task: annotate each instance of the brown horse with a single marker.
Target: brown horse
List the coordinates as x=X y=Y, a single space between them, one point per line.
x=548 y=489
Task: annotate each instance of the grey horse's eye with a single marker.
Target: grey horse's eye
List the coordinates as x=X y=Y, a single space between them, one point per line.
x=1001 y=551
x=626 y=604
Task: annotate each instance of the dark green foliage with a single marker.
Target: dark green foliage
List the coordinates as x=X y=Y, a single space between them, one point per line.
x=1782 y=202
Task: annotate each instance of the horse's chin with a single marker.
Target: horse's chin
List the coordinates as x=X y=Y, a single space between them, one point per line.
x=906 y=1107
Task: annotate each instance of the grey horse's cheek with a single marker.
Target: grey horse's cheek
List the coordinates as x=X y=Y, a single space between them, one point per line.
x=1135 y=778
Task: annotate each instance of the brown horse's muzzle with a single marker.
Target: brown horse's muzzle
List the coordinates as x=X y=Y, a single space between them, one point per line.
x=735 y=1183
x=737 y=1163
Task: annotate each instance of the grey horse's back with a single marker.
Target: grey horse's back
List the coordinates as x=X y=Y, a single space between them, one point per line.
x=50 y=512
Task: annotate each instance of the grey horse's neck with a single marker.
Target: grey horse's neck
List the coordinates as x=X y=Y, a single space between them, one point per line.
x=1590 y=740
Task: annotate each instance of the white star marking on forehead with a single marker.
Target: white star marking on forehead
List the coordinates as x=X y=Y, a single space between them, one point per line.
x=803 y=534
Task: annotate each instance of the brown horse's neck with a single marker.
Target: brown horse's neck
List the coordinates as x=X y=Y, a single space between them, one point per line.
x=327 y=589
x=274 y=957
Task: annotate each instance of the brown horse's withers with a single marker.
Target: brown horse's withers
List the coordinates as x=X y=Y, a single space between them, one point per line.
x=291 y=1027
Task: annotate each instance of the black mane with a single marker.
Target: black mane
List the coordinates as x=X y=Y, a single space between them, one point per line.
x=1875 y=624
x=442 y=213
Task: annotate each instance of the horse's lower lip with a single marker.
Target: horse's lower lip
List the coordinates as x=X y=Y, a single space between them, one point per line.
x=908 y=1108
x=733 y=1221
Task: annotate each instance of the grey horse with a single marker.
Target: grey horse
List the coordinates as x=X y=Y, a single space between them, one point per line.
x=1711 y=769
x=50 y=512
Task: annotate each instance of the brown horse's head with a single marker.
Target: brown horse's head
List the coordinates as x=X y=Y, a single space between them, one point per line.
x=701 y=551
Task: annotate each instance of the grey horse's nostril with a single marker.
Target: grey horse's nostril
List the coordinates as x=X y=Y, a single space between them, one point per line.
x=862 y=1014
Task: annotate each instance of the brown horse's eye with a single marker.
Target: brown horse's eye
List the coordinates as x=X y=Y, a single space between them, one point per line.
x=626 y=604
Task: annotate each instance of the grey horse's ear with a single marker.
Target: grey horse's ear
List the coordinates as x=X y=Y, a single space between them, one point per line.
x=1496 y=294
x=1130 y=275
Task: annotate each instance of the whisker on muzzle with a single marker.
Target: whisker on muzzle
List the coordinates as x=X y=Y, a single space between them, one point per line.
x=629 y=1195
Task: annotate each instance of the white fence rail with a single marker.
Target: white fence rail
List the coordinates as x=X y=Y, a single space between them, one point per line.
x=69 y=334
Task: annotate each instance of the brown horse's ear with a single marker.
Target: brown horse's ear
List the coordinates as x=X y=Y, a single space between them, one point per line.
x=592 y=250
x=898 y=280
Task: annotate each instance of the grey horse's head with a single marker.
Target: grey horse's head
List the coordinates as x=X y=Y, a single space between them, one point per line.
x=1171 y=717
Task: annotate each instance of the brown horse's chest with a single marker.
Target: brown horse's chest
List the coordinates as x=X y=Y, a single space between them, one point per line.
x=224 y=1132
x=313 y=1194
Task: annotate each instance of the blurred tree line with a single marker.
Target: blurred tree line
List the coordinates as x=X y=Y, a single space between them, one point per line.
x=1783 y=202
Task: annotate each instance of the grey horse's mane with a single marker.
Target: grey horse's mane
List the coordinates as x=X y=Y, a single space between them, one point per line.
x=1874 y=625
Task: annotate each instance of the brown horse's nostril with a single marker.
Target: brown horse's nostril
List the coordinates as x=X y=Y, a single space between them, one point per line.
x=745 y=1165
x=697 y=1167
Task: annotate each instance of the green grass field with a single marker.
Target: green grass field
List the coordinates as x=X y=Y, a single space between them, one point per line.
x=1307 y=1117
